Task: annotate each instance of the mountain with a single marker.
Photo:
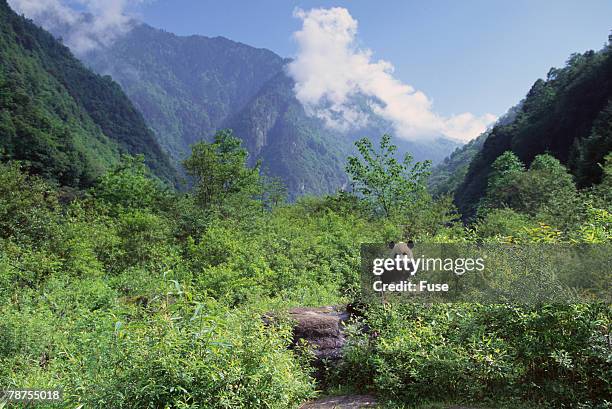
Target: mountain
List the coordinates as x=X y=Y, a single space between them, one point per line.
x=568 y=115
x=184 y=86
x=290 y=144
x=65 y=122
x=450 y=173
x=189 y=87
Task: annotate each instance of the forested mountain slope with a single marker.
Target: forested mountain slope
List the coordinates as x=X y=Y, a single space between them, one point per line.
x=568 y=115
x=309 y=156
x=449 y=174
x=62 y=120
x=289 y=143
x=189 y=87
x=185 y=86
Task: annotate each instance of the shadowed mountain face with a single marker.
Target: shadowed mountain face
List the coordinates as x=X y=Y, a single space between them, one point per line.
x=290 y=144
x=186 y=87
x=60 y=119
x=189 y=87
x=568 y=115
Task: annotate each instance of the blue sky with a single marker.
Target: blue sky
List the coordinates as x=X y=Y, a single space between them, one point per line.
x=473 y=55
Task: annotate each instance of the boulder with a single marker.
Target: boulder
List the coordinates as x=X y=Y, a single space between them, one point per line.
x=321 y=328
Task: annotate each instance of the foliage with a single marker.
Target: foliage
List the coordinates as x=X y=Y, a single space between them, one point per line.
x=388 y=184
x=27 y=206
x=567 y=116
x=64 y=122
x=128 y=185
x=545 y=186
x=141 y=298
x=221 y=173
x=483 y=353
x=448 y=175
x=132 y=295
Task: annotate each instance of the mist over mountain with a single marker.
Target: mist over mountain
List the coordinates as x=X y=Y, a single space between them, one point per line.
x=60 y=119
x=189 y=87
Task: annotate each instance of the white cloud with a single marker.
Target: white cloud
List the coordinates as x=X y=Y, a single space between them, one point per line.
x=106 y=20
x=330 y=71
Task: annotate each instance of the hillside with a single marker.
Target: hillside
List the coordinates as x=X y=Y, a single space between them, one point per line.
x=568 y=115
x=62 y=120
x=189 y=87
x=184 y=86
x=450 y=173
x=118 y=292
x=289 y=143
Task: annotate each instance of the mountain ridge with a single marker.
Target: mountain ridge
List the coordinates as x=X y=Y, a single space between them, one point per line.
x=568 y=115
x=184 y=109
x=61 y=119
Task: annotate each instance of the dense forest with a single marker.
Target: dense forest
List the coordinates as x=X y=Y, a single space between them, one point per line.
x=66 y=122
x=130 y=293
x=567 y=115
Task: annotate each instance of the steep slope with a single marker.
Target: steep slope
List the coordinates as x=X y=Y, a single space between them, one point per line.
x=308 y=155
x=568 y=115
x=189 y=87
x=185 y=86
x=64 y=121
x=450 y=173
x=290 y=144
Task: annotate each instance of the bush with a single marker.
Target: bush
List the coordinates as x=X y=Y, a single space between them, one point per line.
x=556 y=356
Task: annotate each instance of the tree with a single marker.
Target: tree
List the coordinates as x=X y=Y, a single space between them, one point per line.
x=546 y=190
x=274 y=191
x=28 y=205
x=590 y=151
x=220 y=171
x=385 y=182
x=503 y=182
x=602 y=193
x=129 y=185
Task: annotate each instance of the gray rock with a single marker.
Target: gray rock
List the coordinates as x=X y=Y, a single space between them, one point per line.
x=321 y=328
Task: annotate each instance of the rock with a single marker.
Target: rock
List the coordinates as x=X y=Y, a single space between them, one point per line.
x=342 y=402
x=320 y=328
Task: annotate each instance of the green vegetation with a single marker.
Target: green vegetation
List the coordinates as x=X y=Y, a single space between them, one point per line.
x=567 y=116
x=547 y=356
x=67 y=123
x=448 y=175
x=131 y=295
x=128 y=294
x=385 y=182
x=111 y=297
